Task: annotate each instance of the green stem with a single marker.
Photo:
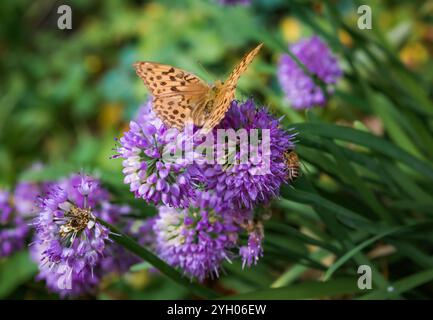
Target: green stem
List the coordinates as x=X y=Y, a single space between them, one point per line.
x=163 y=267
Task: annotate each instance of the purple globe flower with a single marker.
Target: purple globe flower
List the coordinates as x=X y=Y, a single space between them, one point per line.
x=70 y=245
x=197 y=239
x=142 y=231
x=299 y=88
x=6 y=207
x=255 y=179
x=25 y=198
x=13 y=228
x=149 y=169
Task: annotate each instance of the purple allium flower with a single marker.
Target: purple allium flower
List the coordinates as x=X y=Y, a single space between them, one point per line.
x=257 y=179
x=66 y=283
x=70 y=244
x=197 y=239
x=25 y=198
x=13 y=228
x=117 y=260
x=151 y=174
x=5 y=206
x=112 y=213
x=234 y=2
x=299 y=88
x=253 y=250
x=62 y=278
x=142 y=230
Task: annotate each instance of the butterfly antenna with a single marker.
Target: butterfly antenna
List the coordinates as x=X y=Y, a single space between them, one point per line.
x=205 y=70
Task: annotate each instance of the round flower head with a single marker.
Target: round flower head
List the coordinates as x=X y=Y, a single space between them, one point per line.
x=70 y=243
x=13 y=228
x=197 y=239
x=253 y=172
x=142 y=231
x=151 y=174
x=300 y=88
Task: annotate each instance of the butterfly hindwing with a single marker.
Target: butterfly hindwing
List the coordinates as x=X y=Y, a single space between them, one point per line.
x=171 y=110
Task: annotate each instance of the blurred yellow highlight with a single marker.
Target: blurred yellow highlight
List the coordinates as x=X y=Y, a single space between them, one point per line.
x=93 y=63
x=413 y=55
x=110 y=115
x=154 y=9
x=138 y=280
x=345 y=38
x=291 y=29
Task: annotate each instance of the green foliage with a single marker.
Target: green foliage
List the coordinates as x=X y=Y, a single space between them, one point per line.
x=15 y=271
x=364 y=196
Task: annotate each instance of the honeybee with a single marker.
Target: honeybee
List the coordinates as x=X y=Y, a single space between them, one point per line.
x=77 y=220
x=292 y=165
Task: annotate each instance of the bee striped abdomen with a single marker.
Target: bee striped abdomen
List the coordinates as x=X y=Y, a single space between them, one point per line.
x=292 y=166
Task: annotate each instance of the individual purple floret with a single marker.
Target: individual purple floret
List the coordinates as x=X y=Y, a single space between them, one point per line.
x=253 y=250
x=300 y=89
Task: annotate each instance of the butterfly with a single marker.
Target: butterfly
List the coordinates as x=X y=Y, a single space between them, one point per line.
x=180 y=97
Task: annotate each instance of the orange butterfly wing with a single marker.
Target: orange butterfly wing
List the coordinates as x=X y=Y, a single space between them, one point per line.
x=227 y=93
x=175 y=92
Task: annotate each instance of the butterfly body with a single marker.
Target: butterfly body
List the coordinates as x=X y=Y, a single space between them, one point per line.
x=180 y=97
x=202 y=110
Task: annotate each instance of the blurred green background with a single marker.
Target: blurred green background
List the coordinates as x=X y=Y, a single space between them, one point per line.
x=66 y=94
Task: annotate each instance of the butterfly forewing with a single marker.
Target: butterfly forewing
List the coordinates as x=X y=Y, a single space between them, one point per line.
x=234 y=76
x=175 y=91
x=227 y=93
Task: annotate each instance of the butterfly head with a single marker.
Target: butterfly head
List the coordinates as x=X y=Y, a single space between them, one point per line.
x=217 y=85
